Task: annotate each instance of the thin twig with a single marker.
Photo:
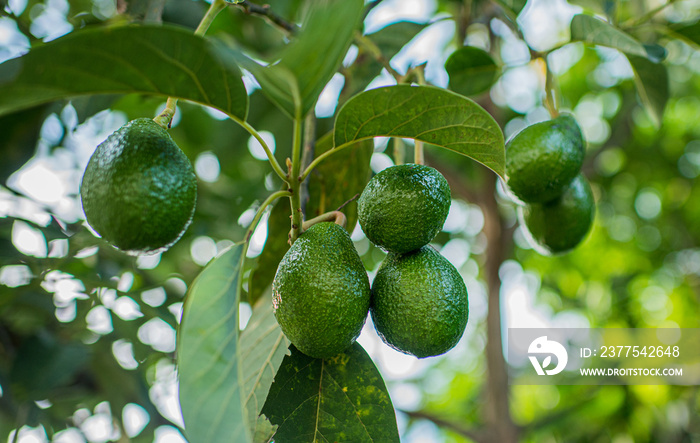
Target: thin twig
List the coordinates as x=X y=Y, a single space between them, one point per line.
x=355 y=197
x=265 y=12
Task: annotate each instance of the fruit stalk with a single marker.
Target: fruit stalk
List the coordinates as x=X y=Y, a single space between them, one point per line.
x=336 y=217
x=551 y=97
x=418 y=155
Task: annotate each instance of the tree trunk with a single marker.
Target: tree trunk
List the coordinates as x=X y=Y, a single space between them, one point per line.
x=501 y=428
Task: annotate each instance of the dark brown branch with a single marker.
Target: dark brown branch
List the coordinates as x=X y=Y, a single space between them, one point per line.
x=501 y=426
x=265 y=12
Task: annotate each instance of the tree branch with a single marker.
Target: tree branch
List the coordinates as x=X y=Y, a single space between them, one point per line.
x=265 y=12
x=501 y=425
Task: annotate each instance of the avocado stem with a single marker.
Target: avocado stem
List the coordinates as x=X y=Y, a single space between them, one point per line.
x=336 y=217
x=166 y=116
x=418 y=156
x=550 y=90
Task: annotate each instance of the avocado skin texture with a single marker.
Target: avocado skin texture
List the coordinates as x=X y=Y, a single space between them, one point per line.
x=404 y=207
x=419 y=303
x=320 y=294
x=543 y=158
x=560 y=225
x=139 y=189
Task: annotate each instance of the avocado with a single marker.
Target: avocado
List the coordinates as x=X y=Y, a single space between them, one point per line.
x=404 y=207
x=560 y=225
x=542 y=159
x=419 y=303
x=139 y=189
x=320 y=293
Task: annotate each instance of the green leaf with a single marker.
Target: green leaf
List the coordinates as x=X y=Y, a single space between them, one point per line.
x=262 y=348
x=277 y=82
x=18 y=138
x=392 y=38
x=338 y=179
x=516 y=6
x=651 y=80
x=425 y=113
x=312 y=58
x=264 y=430
x=689 y=32
x=589 y=29
x=43 y=364
x=339 y=399
x=471 y=70
x=604 y=7
x=159 y=60
x=278 y=226
x=208 y=354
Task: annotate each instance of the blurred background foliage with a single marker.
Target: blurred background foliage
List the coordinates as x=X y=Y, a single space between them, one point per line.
x=87 y=334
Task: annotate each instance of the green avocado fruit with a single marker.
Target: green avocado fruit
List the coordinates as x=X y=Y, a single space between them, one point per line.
x=560 y=225
x=419 y=303
x=139 y=190
x=403 y=207
x=320 y=294
x=542 y=159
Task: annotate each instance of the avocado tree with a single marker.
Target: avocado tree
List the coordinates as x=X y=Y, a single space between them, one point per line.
x=242 y=326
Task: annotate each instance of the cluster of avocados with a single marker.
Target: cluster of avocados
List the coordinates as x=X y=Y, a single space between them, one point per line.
x=418 y=300
x=556 y=205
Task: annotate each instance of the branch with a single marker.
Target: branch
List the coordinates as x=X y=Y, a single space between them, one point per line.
x=265 y=12
x=499 y=243
x=477 y=435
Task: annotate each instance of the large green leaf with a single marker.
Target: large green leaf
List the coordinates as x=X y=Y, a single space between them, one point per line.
x=159 y=60
x=262 y=348
x=425 y=113
x=589 y=29
x=339 y=399
x=338 y=179
x=471 y=70
x=651 y=80
x=312 y=58
x=208 y=355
